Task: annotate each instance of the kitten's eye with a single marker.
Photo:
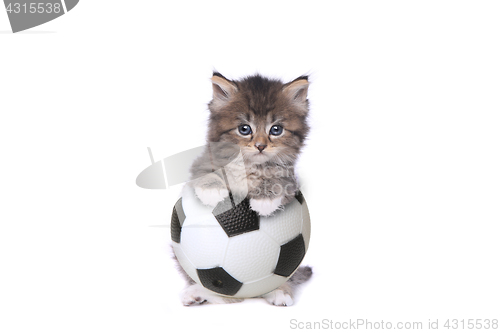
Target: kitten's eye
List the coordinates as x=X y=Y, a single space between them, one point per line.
x=276 y=130
x=245 y=129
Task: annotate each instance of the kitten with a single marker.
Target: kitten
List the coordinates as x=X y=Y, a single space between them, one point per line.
x=266 y=120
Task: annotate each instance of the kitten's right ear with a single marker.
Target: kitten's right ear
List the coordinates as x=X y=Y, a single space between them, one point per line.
x=223 y=88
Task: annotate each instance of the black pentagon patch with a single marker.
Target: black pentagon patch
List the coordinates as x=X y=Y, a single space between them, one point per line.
x=236 y=219
x=218 y=280
x=178 y=218
x=291 y=254
x=299 y=197
x=180 y=211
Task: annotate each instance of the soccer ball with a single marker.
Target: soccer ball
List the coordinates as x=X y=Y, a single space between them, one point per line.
x=232 y=251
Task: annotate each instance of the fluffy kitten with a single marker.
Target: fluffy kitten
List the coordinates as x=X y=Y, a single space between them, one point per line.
x=266 y=120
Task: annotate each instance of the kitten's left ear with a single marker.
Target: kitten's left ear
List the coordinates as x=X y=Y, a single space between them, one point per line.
x=297 y=89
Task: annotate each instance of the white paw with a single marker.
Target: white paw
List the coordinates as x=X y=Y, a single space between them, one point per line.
x=193 y=295
x=211 y=196
x=279 y=298
x=265 y=207
x=196 y=295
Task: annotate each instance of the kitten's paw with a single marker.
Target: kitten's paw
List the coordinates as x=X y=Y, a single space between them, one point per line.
x=193 y=295
x=197 y=295
x=279 y=297
x=265 y=207
x=211 y=196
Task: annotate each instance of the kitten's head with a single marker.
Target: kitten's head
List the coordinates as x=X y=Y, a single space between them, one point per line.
x=264 y=117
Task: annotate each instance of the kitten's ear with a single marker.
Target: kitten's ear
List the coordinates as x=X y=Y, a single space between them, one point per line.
x=222 y=87
x=297 y=89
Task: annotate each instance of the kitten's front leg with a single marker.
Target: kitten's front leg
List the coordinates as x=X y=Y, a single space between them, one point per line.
x=266 y=206
x=270 y=195
x=211 y=196
x=210 y=189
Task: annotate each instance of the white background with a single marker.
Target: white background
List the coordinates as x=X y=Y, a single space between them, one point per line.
x=401 y=171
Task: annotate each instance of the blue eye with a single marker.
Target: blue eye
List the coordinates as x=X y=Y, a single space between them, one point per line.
x=276 y=130
x=245 y=129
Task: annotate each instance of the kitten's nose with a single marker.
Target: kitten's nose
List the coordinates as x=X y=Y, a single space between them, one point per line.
x=260 y=146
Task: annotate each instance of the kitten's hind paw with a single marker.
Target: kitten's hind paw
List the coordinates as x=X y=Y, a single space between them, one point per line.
x=197 y=295
x=193 y=295
x=265 y=207
x=279 y=297
x=211 y=196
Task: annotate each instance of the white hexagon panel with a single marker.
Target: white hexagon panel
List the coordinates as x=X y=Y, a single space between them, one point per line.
x=204 y=246
x=251 y=256
x=283 y=226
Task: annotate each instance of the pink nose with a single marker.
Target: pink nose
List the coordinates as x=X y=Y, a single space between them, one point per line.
x=260 y=146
